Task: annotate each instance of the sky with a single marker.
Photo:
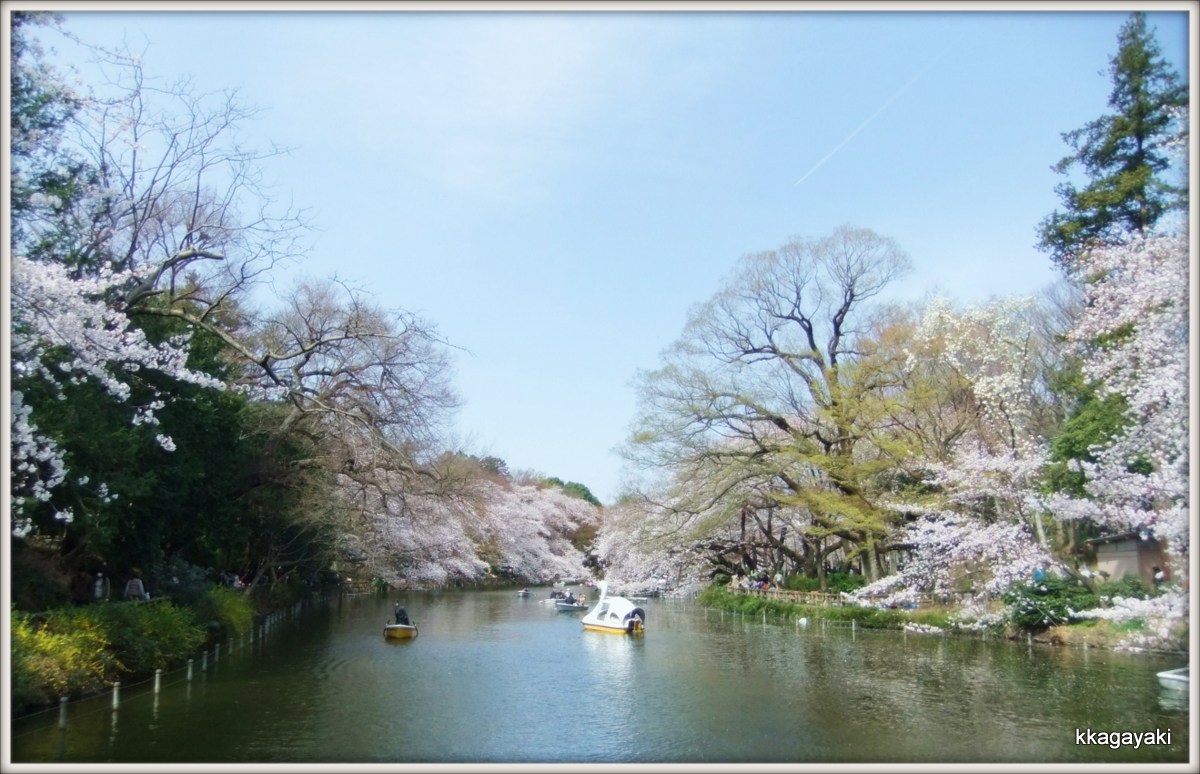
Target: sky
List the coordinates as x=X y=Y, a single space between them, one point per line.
x=555 y=189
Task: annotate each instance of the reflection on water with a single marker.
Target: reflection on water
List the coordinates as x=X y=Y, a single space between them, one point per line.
x=497 y=678
x=1173 y=700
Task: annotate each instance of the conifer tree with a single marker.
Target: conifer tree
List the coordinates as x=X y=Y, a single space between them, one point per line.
x=1124 y=154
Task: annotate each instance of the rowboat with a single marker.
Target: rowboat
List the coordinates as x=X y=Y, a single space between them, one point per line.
x=523 y=593
x=399 y=631
x=614 y=615
x=1174 y=678
x=569 y=607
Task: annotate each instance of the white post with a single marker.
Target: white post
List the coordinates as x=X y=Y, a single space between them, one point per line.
x=157 y=680
x=190 y=669
x=62 y=711
x=116 y=694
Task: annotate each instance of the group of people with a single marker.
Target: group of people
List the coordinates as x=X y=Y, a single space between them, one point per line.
x=759 y=581
x=567 y=596
x=86 y=588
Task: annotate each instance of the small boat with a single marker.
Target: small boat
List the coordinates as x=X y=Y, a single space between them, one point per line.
x=614 y=615
x=523 y=593
x=569 y=607
x=1174 y=678
x=399 y=631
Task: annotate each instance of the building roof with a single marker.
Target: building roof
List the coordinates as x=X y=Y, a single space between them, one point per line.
x=1117 y=538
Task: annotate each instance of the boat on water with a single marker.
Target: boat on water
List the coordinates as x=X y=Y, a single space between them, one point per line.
x=1174 y=678
x=524 y=593
x=399 y=631
x=569 y=607
x=614 y=615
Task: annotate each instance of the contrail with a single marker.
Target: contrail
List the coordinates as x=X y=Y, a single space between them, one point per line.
x=871 y=118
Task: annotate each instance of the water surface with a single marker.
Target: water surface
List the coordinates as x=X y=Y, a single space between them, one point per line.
x=495 y=678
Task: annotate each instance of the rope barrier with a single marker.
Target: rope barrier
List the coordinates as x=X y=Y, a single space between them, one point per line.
x=61 y=707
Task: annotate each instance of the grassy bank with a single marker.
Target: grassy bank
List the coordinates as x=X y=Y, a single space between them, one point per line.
x=717 y=597
x=81 y=650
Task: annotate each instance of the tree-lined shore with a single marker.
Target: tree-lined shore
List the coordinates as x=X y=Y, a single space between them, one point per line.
x=187 y=408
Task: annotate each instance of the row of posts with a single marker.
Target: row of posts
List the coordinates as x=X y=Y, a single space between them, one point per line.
x=116 y=692
x=854 y=629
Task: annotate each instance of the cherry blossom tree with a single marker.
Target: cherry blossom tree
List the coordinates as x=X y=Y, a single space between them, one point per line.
x=430 y=533
x=170 y=225
x=977 y=516
x=639 y=551
x=64 y=330
x=1133 y=336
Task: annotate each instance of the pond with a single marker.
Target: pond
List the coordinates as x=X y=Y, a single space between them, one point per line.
x=496 y=678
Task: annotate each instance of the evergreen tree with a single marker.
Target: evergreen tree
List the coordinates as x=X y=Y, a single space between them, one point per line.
x=1124 y=154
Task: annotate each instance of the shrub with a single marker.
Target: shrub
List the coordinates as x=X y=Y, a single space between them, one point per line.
x=1129 y=586
x=225 y=612
x=844 y=581
x=1047 y=603
x=147 y=636
x=801 y=583
x=835 y=582
x=53 y=656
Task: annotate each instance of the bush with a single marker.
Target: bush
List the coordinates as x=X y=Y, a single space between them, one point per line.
x=835 y=581
x=71 y=651
x=146 y=636
x=1047 y=603
x=843 y=581
x=1128 y=586
x=52 y=657
x=225 y=612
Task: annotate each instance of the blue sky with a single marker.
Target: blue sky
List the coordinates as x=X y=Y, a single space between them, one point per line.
x=555 y=190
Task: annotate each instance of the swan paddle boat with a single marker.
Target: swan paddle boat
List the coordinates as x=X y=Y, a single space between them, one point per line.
x=614 y=615
x=1174 y=678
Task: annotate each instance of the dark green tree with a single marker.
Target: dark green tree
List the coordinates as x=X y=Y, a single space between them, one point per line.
x=1124 y=154
x=575 y=489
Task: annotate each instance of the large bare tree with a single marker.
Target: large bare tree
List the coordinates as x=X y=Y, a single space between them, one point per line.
x=778 y=386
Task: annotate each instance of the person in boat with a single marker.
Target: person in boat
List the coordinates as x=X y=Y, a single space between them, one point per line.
x=402 y=615
x=570 y=598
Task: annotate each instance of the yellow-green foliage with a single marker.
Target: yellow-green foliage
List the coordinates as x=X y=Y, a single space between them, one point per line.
x=74 y=650
x=225 y=612
x=52 y=658
x=150 y=635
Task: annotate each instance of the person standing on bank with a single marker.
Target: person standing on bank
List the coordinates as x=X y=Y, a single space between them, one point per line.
x=100 y=588
x=135 y=589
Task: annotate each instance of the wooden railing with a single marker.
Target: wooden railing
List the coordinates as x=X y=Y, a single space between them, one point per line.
x=795 y=597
